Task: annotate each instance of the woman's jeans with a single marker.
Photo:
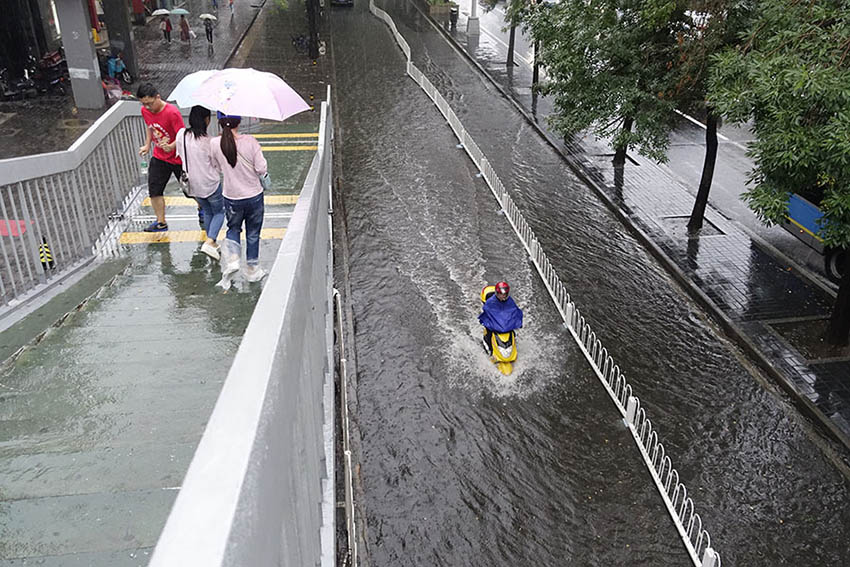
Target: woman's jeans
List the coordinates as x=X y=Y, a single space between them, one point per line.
x=213 y=208
x=250 y=211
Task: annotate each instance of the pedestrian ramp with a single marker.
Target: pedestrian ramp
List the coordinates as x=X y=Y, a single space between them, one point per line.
x=102 y=413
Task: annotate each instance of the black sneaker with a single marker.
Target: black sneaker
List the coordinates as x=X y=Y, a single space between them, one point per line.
x=156 y=227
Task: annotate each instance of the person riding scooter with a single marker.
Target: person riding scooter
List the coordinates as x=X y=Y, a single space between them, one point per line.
x=500 y=314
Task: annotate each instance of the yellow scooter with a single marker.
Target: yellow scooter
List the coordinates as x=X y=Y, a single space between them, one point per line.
x=500 y=346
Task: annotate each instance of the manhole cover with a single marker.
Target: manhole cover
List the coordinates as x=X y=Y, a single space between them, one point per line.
x=4 y=116
x=74 y=123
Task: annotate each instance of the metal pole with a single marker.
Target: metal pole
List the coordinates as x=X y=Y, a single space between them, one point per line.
x=473 y=26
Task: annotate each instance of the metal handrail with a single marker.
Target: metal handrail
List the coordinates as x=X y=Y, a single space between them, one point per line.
x=60 y=210
x=674 y=494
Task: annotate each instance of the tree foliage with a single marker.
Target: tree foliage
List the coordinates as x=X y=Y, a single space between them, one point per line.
x=711 y=26
x=791 y=76
x=610 y=63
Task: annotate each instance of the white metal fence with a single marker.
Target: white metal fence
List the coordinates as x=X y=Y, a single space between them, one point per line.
x=260 y=488
x=60 y=209
x=666 y=478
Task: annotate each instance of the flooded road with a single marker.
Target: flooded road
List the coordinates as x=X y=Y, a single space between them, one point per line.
x=461 y=466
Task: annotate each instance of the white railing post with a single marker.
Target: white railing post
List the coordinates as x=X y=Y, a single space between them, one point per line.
x=709 y=558
x=631 y=410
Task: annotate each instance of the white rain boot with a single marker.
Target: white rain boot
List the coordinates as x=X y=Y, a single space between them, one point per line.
x=231 y=253
x=254 y=273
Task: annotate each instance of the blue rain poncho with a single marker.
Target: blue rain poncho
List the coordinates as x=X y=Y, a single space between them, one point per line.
x=501 y=316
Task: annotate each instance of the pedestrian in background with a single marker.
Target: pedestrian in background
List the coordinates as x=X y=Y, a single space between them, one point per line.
x=184 y=28
x=208 y=27
x=240 y=160
x=193 y=146
x=163 y=121
x=231 y=7
x=165 y=27
x=215 y=5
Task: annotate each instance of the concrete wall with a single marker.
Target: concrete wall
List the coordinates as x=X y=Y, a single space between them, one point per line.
x=254 y=491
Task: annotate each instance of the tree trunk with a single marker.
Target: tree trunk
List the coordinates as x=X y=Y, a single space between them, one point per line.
x=698 y=213
x=838 y=333
x=535 y=74
x=620 y=153
x=511 y=44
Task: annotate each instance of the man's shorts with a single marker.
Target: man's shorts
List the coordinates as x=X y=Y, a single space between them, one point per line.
x=158 y=173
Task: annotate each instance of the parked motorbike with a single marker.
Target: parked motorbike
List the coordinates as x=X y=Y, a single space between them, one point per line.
x=501 y=346
x=50 y=74
x=16 y=88
x=112 y=67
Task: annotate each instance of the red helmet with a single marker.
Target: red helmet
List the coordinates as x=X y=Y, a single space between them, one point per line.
x=503 y=287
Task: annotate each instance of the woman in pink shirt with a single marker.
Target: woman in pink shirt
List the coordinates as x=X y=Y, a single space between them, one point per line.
x=193 y=147
x=240 y=160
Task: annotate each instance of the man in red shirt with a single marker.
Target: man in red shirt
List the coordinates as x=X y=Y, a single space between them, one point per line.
x=163 y=122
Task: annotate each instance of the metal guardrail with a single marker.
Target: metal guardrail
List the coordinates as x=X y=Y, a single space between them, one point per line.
x=348 y=469
x=674 y=494
x=260 y=488
x=61 y=209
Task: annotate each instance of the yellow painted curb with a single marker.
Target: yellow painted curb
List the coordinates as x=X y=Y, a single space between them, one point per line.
x=185 y=202
x=188 y=236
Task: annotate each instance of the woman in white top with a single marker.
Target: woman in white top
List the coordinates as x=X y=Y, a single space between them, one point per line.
x=193 y=147
x=240 y=160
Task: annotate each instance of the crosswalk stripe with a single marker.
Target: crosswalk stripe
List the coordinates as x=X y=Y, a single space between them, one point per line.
x=295 y=135
x=186 y=202
x=188 y=236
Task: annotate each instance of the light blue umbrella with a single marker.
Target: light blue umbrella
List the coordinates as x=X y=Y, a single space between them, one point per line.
x=179 y=12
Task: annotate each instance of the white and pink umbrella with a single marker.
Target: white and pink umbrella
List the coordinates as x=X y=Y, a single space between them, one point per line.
x=248 y=92
x=183 y=93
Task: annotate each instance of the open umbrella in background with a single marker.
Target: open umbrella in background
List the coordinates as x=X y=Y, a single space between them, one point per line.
x=180 y=12
x=183 y=92
x=207 y=17
x=248 y=92
x=160 y=12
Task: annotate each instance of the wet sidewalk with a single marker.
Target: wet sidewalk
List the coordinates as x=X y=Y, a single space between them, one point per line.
x=767 y=305
x=50 y=123
x=102 y=413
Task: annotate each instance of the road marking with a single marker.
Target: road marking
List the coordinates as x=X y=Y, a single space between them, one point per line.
x=188 y=236
x=267 y=214
x=289 y=148
x=301 y=135
x=265 y=142
x=186 y=202
x=704 y=127
x=523 y=59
